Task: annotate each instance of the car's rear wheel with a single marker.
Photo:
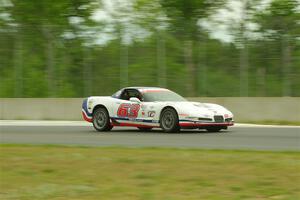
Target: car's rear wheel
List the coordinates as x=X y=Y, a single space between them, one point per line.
x=213 y=129
x=169 y=120
x=144 y=128
x=101 y=121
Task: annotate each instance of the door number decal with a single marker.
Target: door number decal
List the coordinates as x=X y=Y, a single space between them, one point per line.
x=128 y=110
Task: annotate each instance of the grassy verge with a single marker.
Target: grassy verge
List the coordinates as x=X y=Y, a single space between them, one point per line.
x=56 y=172
x=273 y=122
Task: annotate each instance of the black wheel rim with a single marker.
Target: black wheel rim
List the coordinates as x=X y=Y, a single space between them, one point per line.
x=100 y=119
x=168 y=120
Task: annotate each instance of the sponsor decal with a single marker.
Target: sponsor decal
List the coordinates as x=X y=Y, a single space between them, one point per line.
x=151 y=113
x=135 y=120
x=143 y=113
x=226 y=116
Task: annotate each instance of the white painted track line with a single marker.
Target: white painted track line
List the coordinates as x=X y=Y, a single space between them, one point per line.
x=42 y=123
x=265 y=126
x=83 y=123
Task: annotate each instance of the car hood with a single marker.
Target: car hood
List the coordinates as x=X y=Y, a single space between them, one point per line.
x=196 y=109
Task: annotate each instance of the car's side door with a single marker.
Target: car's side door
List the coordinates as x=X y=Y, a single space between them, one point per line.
x=124 y=109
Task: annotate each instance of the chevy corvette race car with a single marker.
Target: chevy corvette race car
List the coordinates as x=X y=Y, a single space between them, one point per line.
x=152 y=107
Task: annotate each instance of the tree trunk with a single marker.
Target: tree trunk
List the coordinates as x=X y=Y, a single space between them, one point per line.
x=261 y=81
x=203 y=68
x=286 y=66
x=244 y=79
x=63 y=73
x=191 y=71
x=244 y=83
x=50 y=62
x=87 y=72
x=18 y=65
x=123 y=65
x=161 y=61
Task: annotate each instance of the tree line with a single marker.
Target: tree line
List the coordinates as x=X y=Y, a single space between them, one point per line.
x=76 y=48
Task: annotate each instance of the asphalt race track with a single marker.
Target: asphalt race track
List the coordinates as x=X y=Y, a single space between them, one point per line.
x=254 y=137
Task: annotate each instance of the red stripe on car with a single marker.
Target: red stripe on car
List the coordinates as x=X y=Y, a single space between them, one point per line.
x=85 y=117
x=192 y=124
x=133 y=125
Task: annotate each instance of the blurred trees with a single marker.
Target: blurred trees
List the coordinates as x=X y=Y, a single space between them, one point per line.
x=34 y=35
x=282 y=21
x=184 y=16
x=75 y=48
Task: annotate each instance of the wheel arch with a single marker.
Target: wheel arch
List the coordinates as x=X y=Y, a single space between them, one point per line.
x=164 y=108
x=107 y=126
x=100 y=106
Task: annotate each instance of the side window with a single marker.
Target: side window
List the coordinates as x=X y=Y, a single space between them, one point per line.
x=127 y=94
x=140 y=96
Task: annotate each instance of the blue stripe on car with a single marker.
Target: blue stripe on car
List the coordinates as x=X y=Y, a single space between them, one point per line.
x=135 y=119
x=84 y=107
x=146 y=120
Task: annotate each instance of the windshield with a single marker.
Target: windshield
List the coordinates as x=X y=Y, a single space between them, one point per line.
x=117 y=94
x=162 y=95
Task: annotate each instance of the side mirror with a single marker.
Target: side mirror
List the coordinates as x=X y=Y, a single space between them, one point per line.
x=135 y=100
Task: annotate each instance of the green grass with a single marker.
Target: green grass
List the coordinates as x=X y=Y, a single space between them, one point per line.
x=273 y=122
x=57 y=172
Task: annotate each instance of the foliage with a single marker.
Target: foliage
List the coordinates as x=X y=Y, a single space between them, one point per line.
x=61 y=49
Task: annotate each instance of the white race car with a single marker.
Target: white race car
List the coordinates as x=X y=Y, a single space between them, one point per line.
x=152 y=107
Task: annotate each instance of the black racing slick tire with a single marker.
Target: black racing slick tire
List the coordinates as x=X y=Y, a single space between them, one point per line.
x=169 y=121
x=101 y=120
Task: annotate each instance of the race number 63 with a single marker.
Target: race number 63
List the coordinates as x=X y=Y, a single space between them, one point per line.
x=128 y=110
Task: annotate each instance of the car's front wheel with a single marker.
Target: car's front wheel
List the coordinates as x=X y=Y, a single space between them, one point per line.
x=169 y=120
x=101 y=121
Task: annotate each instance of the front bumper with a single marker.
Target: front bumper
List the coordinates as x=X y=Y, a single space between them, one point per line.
x=217 y=120
x=204 y=124
x=87 y=116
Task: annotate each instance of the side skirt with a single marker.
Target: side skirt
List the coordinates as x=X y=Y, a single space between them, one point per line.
x=134 y=123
